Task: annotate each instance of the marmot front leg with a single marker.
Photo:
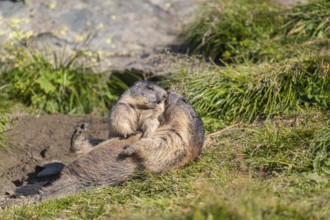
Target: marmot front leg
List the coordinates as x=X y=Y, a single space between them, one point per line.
x=142 y=147
x=122 y=121
x=125 y=130
x=149 y=126
x=151 y=123
x=128 y=150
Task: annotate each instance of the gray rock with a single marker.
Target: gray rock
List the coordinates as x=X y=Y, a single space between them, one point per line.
x=7 y=187
x=119 y=32
x=51 y=169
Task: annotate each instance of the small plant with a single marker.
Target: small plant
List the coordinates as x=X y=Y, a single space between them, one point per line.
x=65 y=87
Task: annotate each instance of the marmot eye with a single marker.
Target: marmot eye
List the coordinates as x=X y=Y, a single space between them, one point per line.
x=184 y=99
x=150 y=87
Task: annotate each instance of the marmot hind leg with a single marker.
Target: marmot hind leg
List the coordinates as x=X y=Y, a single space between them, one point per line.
x=81 y=141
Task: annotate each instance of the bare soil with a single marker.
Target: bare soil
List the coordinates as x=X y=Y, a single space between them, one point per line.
x=38 y=140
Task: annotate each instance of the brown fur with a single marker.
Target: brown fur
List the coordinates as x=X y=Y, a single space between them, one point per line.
x=169 y=146
x=80 y=143
x=173 y=145
x=101 y=166
x=150 y=120
x=137 y=109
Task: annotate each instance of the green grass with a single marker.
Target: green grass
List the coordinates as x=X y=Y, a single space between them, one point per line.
x=321 y=148
x=286 y=145
x=256 y=31
x=266 y=110
x=3 y=126
x=221 y=185
x=308 y=22
x=50 y=85
x=233 y=31
x=249 y=93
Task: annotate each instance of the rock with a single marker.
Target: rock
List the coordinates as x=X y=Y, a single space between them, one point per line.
x=115 y=33
x=7 y=187
x=51 y=169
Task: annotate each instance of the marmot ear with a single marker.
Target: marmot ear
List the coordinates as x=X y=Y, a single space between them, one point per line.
x=150 y=87
x=184 y=99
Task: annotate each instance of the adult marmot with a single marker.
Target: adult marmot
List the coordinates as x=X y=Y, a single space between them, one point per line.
x=173 y=145
x=137 y=110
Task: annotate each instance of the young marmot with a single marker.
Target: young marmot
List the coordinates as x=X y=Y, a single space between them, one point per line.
x=138 y=109
x=173 y=145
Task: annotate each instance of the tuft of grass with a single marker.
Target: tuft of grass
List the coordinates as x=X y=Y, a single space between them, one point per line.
x=321 y=148
x=235 y=94
x=250 y=199
x=34 y=80
x=233 y=31
x=256 y=31
x=308 y=22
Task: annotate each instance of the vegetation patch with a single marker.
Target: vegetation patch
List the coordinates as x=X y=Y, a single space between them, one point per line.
x=48 y=85
x=267 y=154
x=321 y=148
x=220 y=185
x=3 y=126
x=283 y=145
x=308 y=22
x=234 y=94
x=256 y=31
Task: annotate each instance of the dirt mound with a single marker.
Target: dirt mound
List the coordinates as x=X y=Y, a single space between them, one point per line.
x=36 y=141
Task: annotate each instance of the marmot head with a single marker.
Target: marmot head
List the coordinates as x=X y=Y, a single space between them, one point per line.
x=174 y=99
x=147 y=93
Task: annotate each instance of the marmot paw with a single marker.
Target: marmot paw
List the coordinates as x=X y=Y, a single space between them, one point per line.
x=78 y=133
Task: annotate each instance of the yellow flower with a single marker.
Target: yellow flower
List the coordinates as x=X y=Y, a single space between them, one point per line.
x=52 y=5
x=108 y=41
x=79 y=38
